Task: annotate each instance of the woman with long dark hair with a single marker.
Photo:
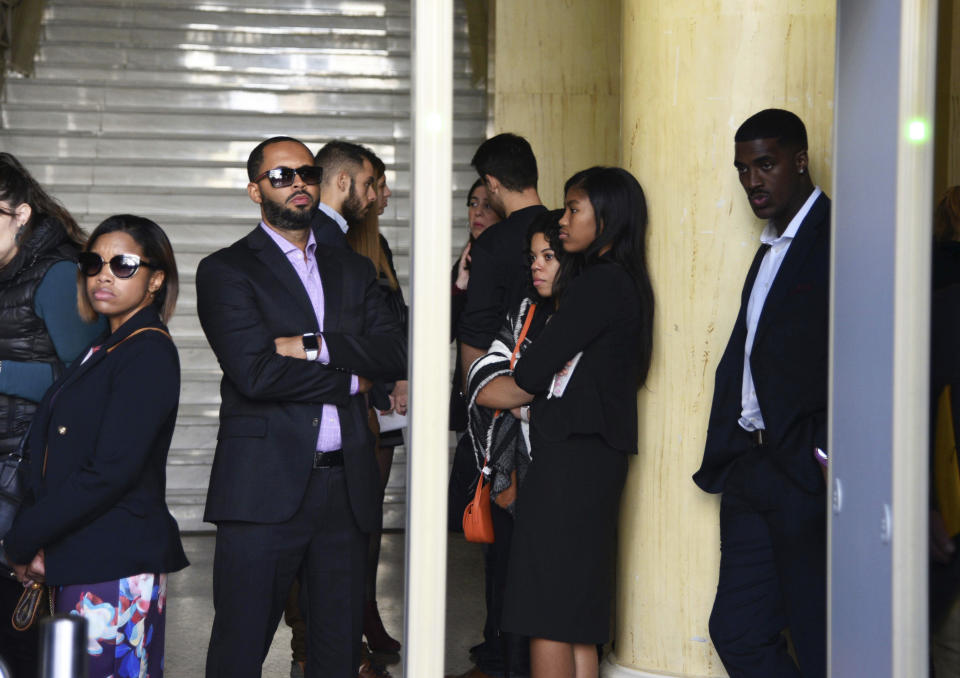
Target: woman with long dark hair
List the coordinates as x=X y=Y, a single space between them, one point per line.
x=95 y=526
x=40 y=334
x=582 y=375
x=365 y=238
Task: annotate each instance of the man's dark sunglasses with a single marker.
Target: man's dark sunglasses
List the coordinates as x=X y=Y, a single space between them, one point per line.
x=122 y=265
x=281 y=177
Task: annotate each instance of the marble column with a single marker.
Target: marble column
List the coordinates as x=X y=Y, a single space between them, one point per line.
x=692 y=71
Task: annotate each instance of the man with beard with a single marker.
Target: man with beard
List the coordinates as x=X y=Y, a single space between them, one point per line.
x=498 y=278
x=300 y=331
x=768 y=422
x=346 y=193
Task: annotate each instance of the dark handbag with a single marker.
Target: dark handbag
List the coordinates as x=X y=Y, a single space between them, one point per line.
x=13 y=486
x=29 y=606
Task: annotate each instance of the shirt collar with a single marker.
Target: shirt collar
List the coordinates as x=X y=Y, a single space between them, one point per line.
x=335 y=215
x=769 y=235
x=285 y=245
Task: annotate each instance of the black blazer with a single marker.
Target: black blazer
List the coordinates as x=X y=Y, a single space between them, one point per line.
x=789 y=362
x=247 y=295
x=599 y=314
x=98 y=452
x=327 y=231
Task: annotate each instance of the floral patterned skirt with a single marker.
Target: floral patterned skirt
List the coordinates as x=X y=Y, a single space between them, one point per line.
x=125 y=624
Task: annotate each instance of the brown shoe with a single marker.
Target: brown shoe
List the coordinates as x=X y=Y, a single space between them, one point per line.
x=377 y=636
x=475 y=672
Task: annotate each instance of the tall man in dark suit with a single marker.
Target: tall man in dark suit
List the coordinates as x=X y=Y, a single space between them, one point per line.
x=498 y=278
x=300 y=330
x=347 y=191
x=769 y=418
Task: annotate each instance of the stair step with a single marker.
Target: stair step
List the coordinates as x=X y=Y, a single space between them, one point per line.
x=159 y=203
x=129 y=120
x=374 y=39
x=67 y=146
x=241 y=80
x=192 y=98
x=181 y=173
x=243 y=59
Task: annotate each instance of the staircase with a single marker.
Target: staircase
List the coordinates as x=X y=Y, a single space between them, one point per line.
x=151 y=107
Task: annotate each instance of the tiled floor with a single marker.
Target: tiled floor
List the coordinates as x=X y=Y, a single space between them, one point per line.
x=190 y=611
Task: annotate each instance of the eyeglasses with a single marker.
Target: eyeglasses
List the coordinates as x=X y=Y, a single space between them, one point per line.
x=281 y=177
x=123 y=265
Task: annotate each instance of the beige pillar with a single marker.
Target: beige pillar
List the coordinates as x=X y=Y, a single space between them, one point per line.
x=693 y=70
x=556 y=81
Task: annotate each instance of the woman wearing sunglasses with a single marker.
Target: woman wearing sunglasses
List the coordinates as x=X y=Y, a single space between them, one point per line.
x=96 y=527
x=40 y=333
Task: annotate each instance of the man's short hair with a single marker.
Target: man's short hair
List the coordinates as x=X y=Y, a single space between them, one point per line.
x=337 y=155
x=379 y=168
x=508 y=158
x=255 y=159
x=774 y=123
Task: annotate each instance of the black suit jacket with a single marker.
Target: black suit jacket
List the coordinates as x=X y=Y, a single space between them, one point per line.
x=327 y=231
x=98 y=452
x=789 y=362
x=600 y=314
x=247 y=295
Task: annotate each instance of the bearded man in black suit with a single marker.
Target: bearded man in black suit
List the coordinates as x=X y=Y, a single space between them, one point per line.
x=300 y=330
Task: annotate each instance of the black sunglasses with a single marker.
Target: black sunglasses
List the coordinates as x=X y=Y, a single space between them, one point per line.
x=281 y=177
x=123 y=265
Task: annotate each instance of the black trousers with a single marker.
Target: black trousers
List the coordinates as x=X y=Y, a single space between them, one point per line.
x=254 y=566
x=772 y=575
x=501 y=651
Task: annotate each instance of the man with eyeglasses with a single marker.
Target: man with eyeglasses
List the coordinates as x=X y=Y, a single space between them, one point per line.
x=300 y=330
x=347 y=190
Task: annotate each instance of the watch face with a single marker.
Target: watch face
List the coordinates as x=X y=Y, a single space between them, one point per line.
x=310 y=342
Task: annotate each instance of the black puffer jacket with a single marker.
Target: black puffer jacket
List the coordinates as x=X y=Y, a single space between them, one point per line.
x=23 y=334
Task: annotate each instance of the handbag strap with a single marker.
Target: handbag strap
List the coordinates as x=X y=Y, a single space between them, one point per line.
x=523 y=335
x=142 y=329
x=516 y=349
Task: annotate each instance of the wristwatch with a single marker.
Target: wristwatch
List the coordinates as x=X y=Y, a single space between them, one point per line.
x=311 y=346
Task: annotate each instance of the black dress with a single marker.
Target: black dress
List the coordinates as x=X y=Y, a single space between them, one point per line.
x=398 y=306
x=561 y=572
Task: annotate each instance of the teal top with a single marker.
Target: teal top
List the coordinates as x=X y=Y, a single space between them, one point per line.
x=56 y=303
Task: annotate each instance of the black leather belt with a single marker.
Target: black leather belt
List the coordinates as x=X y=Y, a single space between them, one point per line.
x=328 y=459
x=758 y=438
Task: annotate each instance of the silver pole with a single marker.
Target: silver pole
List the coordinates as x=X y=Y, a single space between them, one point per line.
x=430 y=337
x=63 y=647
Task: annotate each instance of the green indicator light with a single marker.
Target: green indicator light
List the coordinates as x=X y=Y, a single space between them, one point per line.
x=917 y=131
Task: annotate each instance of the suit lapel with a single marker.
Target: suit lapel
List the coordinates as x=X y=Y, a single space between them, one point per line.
x=279 y=266
x=331 y=277
x=793 y=262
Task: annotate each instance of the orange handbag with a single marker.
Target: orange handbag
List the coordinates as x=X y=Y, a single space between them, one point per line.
x=477 y=518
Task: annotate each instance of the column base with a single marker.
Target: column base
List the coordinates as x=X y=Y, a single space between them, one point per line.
x=610 y=669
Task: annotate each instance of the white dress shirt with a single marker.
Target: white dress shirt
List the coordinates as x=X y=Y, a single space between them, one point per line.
x=335 y=215
x=750 y=417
